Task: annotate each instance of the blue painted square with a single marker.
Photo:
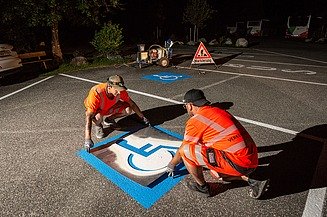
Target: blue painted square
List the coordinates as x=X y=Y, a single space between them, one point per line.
x=144 y=195
x=166 y=77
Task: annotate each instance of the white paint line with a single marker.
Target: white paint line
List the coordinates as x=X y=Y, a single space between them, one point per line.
x=255 y=76
x=82 y=79
x=263 y=68
x=129 y=90
x=208 y=86
x=220 y=82
x=287 y=55
x=38 y=131
x=284 y=130
x=156 y=97
x=279 y=63
x=315 y=196
x=315 y=203
x=308 y=72
x=31 y=85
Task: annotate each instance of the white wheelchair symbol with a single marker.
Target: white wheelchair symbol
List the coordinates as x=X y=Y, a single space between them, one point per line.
x=144 y=158
x=168 y=77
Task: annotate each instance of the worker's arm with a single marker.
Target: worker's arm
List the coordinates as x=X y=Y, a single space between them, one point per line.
x=172 y=164
x=135 y=108
x=88 y=124
x=177 y=158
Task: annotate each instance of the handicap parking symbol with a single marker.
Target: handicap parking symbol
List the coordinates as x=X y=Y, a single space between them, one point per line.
x=136 y=162
x=166 y=77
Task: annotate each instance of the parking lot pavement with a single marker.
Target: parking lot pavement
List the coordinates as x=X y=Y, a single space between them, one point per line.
x=42 y=129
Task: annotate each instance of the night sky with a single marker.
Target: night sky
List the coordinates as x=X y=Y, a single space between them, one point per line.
x=141 y=17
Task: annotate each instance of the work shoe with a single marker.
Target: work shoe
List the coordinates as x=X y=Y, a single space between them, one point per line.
x=205 y=189
x=110 y=123
x=258 y=188
x=99 y=132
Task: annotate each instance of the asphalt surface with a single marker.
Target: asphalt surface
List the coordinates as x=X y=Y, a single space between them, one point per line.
x=277 y=89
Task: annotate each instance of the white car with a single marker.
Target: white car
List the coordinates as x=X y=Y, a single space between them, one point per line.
x=9 y=61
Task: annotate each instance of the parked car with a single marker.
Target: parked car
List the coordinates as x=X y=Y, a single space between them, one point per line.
x=9 y=61
x=258 y=28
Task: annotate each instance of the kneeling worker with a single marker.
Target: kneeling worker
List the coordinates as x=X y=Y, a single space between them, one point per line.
x=214 y=139
x=106 y=102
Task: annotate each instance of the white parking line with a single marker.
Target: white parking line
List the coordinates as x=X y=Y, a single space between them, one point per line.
x=287 y=55
x=284 y=130
x=279 y=63
x=255 y=76
x=129 y=90
x=315 y=197
x=208 y=86
x=31 y=85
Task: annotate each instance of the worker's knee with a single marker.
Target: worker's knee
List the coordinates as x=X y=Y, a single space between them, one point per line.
x=97 y=119
x=128 y=110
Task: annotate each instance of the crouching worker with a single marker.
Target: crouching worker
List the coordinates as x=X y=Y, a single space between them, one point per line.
x=106 y=102
x=214 y=139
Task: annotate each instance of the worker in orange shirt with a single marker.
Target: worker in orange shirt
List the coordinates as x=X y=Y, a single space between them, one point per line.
x=106 y=102
x=214 y=139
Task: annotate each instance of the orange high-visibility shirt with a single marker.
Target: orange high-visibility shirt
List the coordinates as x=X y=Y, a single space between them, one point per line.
x=97 y=100
x=218 y=129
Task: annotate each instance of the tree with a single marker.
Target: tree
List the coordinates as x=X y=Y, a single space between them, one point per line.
x=108 y=39
x=50 y=13
x=197 y=12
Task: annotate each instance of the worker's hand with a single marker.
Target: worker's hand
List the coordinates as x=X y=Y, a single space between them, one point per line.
x=88 y=144
x=146 y=121
x=170 y=170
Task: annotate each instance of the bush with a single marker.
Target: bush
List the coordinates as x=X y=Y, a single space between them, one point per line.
x=108 y=40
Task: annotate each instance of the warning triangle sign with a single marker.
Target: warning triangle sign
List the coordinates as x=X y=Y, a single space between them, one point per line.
x=202 y=56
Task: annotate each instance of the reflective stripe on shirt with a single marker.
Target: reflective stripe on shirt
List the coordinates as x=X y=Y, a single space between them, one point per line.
x=222 y=133
x=208 y=122
x=236 y=147
x=196 y=152
x=191 y=139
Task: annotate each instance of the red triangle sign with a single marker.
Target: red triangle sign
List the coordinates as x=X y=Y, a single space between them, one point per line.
x=202 y=56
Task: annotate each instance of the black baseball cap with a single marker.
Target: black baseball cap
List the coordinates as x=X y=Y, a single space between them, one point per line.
x=196 y=97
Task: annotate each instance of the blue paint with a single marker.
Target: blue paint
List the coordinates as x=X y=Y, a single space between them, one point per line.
x=166 y=77
x=171 y=133
x=144 y=195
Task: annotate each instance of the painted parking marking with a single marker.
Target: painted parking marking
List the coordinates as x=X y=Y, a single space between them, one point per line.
x=257 y=76
x=31 y=85
x=233 y=65
x=137 y=164
x=210 y=85
x=279 y=63
x=287 y=55
x=129 y=90
x=166 y=77
x=312 y=199
x=308 y=72
x=264 y=68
